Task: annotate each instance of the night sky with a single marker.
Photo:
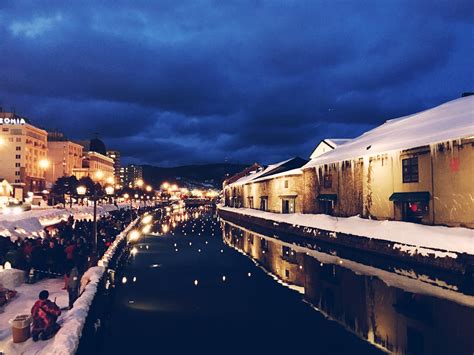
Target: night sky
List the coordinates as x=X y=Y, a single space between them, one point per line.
x=179 y=82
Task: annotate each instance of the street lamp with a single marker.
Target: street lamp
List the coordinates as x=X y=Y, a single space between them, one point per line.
x=99 y=174
x=82 y=190
x=148 y=188
x=139 y=183
x=109 y=190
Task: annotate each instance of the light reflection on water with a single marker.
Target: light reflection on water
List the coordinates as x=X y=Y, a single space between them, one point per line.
x=399 y=311
x=194 y=292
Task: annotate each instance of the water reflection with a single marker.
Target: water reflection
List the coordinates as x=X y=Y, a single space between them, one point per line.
x=398 y=310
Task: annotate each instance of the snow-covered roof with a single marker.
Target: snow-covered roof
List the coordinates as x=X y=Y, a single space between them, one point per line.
x=296 y=171
x=450 y=121
x=335 y=142
x=246 y=179
x=326 y=145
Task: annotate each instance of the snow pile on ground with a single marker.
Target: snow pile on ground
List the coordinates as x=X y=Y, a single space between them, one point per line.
x=458 y=240
x=32 y=223
x=67 y=339
x=21 y=304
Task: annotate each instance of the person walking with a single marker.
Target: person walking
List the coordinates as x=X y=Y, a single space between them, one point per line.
x=73 y=284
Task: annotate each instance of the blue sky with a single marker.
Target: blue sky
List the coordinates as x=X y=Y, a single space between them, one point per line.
x=177 y=82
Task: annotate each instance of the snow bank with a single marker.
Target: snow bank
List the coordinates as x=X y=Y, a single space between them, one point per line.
x=66 y=341
x=458 y=240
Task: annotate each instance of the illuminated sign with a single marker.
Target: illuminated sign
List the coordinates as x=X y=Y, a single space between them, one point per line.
x=12 y=121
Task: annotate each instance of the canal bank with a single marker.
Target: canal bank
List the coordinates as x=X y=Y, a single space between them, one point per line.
x=184 y=290
x=429 y=256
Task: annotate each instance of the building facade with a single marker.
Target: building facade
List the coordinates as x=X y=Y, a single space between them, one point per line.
x=276 y=188
x=98 y=167
x=23 y=147
x=64 y=156
x=131 y=174
x=417 y=168
x=115 y=156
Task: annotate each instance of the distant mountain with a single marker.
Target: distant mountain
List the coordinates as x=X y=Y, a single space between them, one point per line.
x=193 y=176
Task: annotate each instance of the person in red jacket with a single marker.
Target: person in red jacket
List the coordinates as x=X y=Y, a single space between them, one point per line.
x=45 y=313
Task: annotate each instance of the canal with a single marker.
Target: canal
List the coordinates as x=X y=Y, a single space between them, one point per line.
x=196 y=284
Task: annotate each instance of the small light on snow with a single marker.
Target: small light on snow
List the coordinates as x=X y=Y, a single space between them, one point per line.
x=249 y=274
x=196 y=282
x=124 y=280
x=134 y=279
x=199 y=250
x=223 y=278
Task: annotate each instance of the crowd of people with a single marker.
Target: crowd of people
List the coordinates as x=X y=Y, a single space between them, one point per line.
x=66 y=250
x=67 y=244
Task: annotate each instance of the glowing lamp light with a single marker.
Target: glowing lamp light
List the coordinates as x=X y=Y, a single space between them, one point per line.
x=44 y=163
x=134 y=235
x=136 y=196
x=2 y=141
x=81 y=190
x=99 y=174
x=126 y=196
x=149 y=188
x=109 y=190
x=165 y=186
x=147 y=219
x=124 y=280
x=110 y=180
x=134 y=251
x=139 y=183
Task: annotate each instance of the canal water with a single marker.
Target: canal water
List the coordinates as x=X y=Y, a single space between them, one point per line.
x=194 y=284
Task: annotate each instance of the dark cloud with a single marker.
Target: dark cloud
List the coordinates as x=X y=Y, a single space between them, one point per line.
x=184 y=82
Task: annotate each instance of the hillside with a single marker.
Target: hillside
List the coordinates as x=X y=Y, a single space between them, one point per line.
x=206 y=175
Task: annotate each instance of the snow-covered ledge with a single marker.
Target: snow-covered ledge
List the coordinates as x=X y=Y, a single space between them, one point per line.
x=66 y=341
x=403 y=234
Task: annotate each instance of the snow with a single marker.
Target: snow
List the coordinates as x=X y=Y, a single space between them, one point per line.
x=336 y=142
x=439 y=238
x=26 y=297
x=33 y=222
x=450 y=121
x=292 y=172
x=66 y=341
x=246 y=179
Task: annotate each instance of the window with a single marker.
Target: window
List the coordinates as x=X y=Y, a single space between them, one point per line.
x=18 y=140
x=17 y=165
x=17 y=173
x=264 y=203
x=286 y=184
x=18 y=156
x=410 y=169
x=18 y=148
x=264 y=244
x=288 y=254
x=17 y=181
x=327 y=181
